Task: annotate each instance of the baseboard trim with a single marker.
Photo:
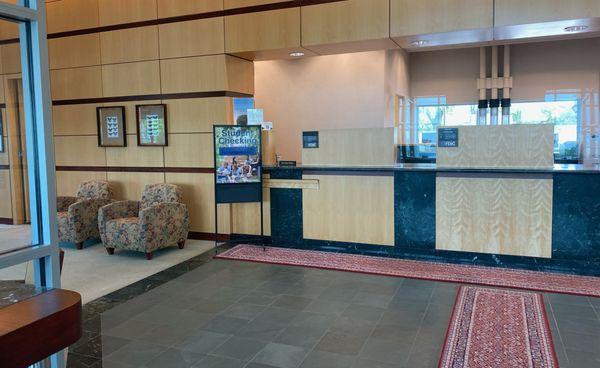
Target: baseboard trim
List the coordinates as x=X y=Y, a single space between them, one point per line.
x=196 y=235
x=6 y=221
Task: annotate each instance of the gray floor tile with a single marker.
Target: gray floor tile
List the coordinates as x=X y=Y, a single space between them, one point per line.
x=371 y=299
x=110 y=344
x=280 y=355
x=225 y=325
x=292 y=302
x=258 y=298
x=174 y=358
x=211 y=306
x=401 y=334
x=219 y=362
x=243 y=311
x=136 y=353
x=385 y=351
x=365 y=363
x=581 y=342
x=261 y=330
x=130 y=329
x=327 y=307
x=258 y=365
x=578 y=359
x=323 y=359
x=240 y=348
x=341 y=343
x=278 y=316
x=356 y=327
x=166 y=335
x=363 y=312
x=303 y=336
x=202 y=341
x=424 y=359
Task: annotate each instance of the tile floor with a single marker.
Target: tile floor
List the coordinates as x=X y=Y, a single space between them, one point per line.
x=217 y=313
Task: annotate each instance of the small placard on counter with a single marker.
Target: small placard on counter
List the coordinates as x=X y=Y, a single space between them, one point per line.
x=287 y=163
x=310 y=139
x=448 y=137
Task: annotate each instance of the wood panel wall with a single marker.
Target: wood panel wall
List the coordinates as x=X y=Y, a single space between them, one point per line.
x=510 y=216
x=352 y=147
x=140 y=65
x=501 y=146
x=349 y=208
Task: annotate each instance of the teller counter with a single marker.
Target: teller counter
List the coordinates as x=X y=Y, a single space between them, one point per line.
x=494 y=198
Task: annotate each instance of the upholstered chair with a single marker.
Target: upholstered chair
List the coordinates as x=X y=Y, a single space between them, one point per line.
x=158 y=221
x=78 y=216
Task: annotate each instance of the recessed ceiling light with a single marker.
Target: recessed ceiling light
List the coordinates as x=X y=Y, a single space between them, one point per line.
x=296 y=54
x=576 y=28
x=419 y=43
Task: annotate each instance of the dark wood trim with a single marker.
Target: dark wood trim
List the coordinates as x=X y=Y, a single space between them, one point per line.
x=208 y=236
x=183 y=18
x=4 y=167
x=36 y=328
x=348 y=172
x=165 y=96
x=2 y=105
x=186 y=170
x=9 y=41
x=6 y=221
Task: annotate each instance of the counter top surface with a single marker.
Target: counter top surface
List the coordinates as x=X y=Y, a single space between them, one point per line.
x=558 y=168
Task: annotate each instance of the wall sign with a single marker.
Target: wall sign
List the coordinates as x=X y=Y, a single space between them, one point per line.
x=310 y=139
x=238 y=163
x=448 y=137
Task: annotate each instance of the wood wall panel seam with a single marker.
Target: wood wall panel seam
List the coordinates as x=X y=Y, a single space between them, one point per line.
x=188 y=17
x=146 y=169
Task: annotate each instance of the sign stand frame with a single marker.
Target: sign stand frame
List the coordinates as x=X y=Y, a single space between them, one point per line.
x=260 y=183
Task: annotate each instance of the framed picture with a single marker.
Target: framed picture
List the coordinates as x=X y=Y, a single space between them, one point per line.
x=152 y=125
x=111 y=126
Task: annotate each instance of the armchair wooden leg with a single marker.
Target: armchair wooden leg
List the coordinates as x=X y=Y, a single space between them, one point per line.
x=79 y=245
x=110 y=251
x=149 y=256
x=181 y=244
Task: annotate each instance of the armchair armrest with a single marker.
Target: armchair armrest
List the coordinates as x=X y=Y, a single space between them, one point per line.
x=164 y=224
x=83 y=216
x=63 y=203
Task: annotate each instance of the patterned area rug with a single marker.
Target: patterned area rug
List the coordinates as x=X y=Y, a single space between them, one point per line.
x=494 y=328
x=478 y=275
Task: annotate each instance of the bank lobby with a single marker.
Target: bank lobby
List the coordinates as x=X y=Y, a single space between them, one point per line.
x=300 y=184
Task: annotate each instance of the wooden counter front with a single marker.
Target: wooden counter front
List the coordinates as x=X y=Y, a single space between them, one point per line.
x=35 y=328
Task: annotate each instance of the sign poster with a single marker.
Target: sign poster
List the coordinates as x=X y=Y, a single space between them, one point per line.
x=237 y=154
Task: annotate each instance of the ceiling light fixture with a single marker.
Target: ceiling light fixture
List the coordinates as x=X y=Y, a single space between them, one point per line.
x=576 y=28
x=419 y=43
x=296 y=54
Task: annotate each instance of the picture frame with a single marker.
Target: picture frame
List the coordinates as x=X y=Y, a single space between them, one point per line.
x=112 y=127
x=151 y=123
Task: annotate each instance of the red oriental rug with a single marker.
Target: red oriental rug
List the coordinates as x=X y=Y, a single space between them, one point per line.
x=478 y=275
x=495 y=328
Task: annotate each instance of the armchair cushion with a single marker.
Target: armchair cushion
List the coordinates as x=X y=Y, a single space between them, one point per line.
x=159 y=193
x=63 y=203
x=78 y=216
x=123 y=231
x=94 y=189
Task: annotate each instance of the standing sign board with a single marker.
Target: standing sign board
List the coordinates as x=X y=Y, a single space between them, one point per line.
x=238 y=165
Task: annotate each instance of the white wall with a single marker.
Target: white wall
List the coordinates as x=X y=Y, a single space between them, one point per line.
x=328 y=92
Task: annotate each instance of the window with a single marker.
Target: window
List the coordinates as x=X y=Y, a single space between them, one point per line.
x=31 y=94
x=563 y=109
x=431 y=112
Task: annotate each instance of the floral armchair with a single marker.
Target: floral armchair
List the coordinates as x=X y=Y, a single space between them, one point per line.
x=158 y=221
x=78 y=216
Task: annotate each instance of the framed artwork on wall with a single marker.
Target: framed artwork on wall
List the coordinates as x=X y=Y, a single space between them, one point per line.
x=152 y=125
x=112 y=131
